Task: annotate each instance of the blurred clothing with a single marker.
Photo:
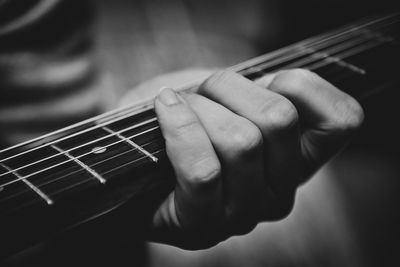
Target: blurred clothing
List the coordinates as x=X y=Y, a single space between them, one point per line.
x=48 y=72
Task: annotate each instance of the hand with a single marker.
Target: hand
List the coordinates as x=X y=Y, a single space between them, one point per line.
x=240 y=149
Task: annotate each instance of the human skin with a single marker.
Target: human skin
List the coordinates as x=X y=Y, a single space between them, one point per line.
x=240 y=149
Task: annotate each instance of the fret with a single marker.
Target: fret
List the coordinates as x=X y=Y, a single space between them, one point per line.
x=146 y=135
x=15 y=195
x=334 y=55
x=304 y=53
x=350 y=82
x=80 y=163
x=326 y=58
x=29 y=184
x=374 y=59
x=380 y=36
x=133 y=144
x=48 y=170
x=391 y=31
x=101 y=151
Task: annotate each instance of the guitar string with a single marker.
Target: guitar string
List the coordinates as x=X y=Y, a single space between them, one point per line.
x=351 y=29
x=45 y=169
x=339 y=57
x=54 y=193
x=100 y=125
x=318 y=39
x=325 y=38
x=74 y=158
x=115 y=169
x=79 y=170
x=372 y=36
x=103 y=160
x=135 y=126
x=105 y=173
x=330 y=53
x=144 y=123
x=309 y=51
x=305 y=51
x=74 y=148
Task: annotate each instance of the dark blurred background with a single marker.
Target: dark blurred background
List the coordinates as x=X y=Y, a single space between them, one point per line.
x=79 y=58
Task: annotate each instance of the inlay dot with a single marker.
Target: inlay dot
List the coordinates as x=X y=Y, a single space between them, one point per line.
x=1 y=189
x=99 y=150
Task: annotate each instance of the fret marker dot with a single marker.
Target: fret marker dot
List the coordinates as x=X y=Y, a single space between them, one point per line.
x=99 y=150
x=1 y=189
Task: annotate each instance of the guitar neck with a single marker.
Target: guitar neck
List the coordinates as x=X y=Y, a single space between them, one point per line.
x=78 y=173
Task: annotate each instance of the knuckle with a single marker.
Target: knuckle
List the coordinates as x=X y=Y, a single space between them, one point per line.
x=246 y=137
x=279 y=116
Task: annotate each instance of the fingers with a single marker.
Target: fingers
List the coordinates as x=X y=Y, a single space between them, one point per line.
x=197 y=168
x=274 y=115
x=240 y=149
x=330 y=115
x=238 y=143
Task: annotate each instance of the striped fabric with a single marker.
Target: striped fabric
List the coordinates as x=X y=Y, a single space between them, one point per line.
x=48 y=73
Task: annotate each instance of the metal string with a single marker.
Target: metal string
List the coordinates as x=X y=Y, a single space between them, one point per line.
x=348 y=52
x=146 y=105
x=93 y=141
x=75 y=158
x=83 y=170
x=80 y=146
x=72 y=149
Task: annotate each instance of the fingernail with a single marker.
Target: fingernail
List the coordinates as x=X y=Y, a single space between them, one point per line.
x=168 y=97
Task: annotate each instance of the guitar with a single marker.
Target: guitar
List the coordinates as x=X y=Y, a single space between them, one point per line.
x=113 y=165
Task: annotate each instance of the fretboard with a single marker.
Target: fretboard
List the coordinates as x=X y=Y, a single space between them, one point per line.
x=361 y=59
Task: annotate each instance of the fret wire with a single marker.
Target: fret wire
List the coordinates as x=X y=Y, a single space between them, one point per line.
x=133 y=144
x=82 y=170
x=347 y=54
x=323 y=63
x=78 y=157
x=30 y=185
x=340 y=32
x=112 y=170
x=318 y=39
x=105 y=146
x=330 y=62
x=83 y=145
x=129 y=163
x=311 y=57
x=261 y=69
x=339 y=56
x=100 y=162
x=83 y=165
x=323 y=37
x=70 y=136
x=303 y=52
